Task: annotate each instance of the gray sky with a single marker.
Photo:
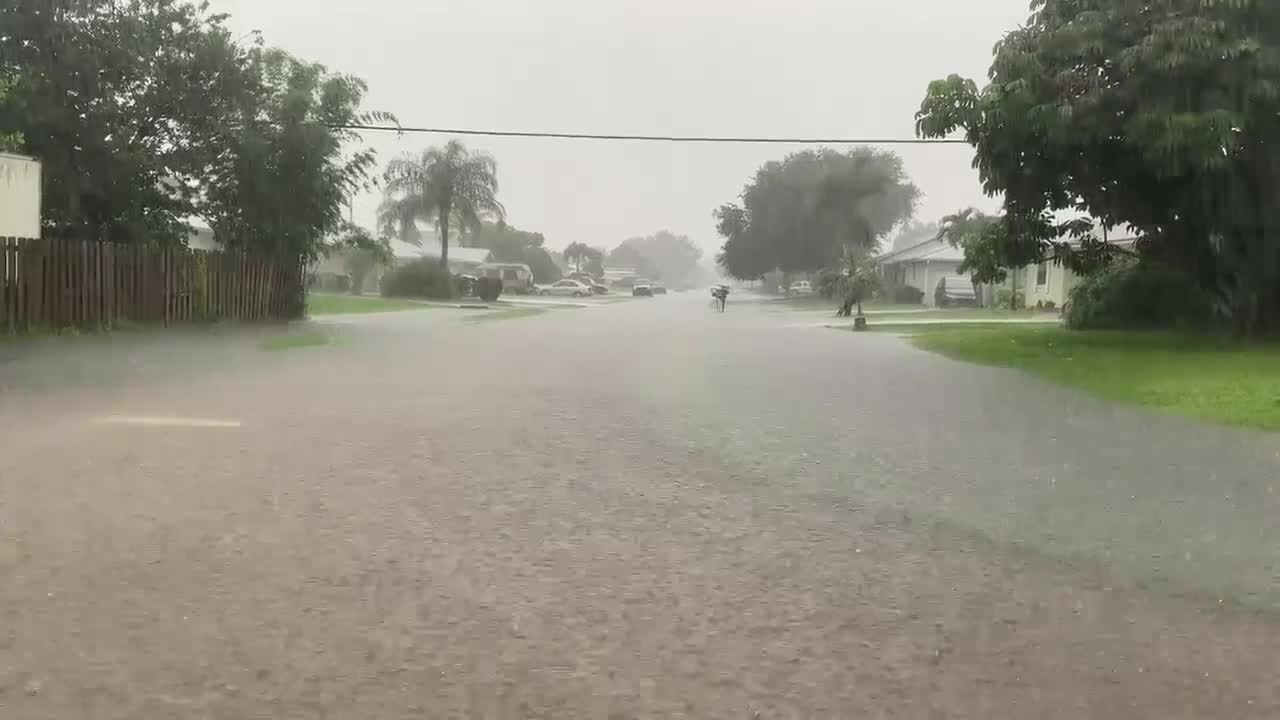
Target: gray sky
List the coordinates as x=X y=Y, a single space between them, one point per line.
x=709 y=67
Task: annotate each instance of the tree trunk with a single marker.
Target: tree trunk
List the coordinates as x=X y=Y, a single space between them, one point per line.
x=444 y=240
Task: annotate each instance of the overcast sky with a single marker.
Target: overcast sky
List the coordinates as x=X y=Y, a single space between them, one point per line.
x=828 y=68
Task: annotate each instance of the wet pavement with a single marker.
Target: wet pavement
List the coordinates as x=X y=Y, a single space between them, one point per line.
x=645 y=509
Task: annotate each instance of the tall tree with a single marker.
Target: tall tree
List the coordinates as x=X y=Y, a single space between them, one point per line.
x=442 y=185
x=123 y=101
x=510 y=244
x=576 y=254
x=663 y=255
x=290 y=170
x=1163 y=116
x=800 y=214
x=10 y=139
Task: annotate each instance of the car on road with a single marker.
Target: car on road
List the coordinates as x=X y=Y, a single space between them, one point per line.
x=516 y=277
x=801 y=287
x=658 y=288
x=571 y=288
x=641 y=288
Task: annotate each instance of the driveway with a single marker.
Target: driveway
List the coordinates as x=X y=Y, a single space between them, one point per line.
x=641 y=510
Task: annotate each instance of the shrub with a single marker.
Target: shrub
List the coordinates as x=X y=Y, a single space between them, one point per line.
x=906 y=295
x=1049 y=305
x=418 y=279
x=1136 y=295
x=1006 y=298
x=488 y=288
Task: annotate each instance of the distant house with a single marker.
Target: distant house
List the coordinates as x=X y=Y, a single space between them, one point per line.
x=1050 y=282
x=921 y=266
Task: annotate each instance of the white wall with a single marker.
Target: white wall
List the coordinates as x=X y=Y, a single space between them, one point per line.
x=19 y=196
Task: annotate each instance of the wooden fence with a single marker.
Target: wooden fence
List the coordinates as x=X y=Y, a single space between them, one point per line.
x=53 y=284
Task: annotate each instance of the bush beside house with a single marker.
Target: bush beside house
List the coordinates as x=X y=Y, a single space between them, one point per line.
x=1136 y=295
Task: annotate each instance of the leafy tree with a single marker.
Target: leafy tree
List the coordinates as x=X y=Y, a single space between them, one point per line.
x=628 y=255
x=594 y=265
x=361 y=254
x=123 y=101
x=1163 y=116
x=288 y=175
x=914 y=232
x=851 y=280
x=509 y=244
x=802 y=213
x=442 y=185
x=576 y=254
x=148 y=113
x=10 y=140
x=663 y=255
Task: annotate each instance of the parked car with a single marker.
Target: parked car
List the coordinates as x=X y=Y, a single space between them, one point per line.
x=801 y=287
x=658 y=289
x=515 y=277
x=566 y=287
x=641 y=288
x=955 y=291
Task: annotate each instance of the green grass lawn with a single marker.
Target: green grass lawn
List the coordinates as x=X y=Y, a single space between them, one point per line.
x=1211 y=378
x=326 y=304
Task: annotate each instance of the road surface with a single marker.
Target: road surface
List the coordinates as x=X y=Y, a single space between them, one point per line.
x=640 y=510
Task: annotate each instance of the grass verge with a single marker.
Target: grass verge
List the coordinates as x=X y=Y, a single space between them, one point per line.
x=325 y=304
x=1211 y=378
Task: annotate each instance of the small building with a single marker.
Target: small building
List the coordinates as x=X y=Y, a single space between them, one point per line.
x=921 y=266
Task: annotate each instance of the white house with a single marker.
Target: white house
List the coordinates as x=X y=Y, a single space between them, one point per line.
x=922 y=266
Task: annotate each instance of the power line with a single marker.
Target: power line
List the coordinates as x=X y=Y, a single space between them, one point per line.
x=657 y=138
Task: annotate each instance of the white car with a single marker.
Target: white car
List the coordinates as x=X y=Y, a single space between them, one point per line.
x=566 y=287
x=801 y=287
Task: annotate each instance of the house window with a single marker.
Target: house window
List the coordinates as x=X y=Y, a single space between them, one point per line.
x=1042 y=274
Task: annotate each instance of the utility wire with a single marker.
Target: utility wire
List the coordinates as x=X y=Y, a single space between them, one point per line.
x=657 y=138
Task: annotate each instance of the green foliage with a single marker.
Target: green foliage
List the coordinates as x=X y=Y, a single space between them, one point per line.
x=799 y=215
x=283 y=185
x=10 y=140
x=509 y=244
x=148 y=113
x=1146 y=295
x=445 y=185
x=662 y=256
x=422 y=278
x=361 y=255
x=1163 y=116
x=984 y=240
x=489 y=289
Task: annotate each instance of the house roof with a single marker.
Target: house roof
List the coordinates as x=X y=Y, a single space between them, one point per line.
x=933 y=249
x=429 y=249
x=940 y=250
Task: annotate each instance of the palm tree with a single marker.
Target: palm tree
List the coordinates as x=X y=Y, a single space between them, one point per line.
x=444 y=185
x=577 y=253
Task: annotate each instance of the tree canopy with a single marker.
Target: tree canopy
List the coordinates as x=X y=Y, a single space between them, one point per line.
x=149 y=113
x=663 y=255
x=1164 y=117
x=509 y=244
x=449 y=185
x=801 y=213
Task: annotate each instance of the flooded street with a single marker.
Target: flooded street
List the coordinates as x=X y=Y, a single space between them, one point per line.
x=635 y=510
